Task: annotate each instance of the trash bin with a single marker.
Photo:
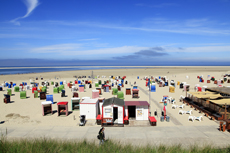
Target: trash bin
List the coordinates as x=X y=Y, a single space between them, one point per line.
x=162 y=118
x=167 y=118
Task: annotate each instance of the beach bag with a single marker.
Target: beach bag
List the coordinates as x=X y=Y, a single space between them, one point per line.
x=98 y=136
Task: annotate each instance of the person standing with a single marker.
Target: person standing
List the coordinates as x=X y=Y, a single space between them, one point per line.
x=102 y=135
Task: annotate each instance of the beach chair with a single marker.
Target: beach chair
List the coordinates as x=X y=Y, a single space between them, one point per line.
x=50 y=98
x=56 y=90
x=16 y=89
x=174 y=106
x=44 y=90
x=192 y=118
x=35 y=94
x=120 y=95
x=181 y=112
x=199 y=118
x=6 y=99
x=96 y=84
x=75 y=103
x=63 y=93
x=115 y=91
x=42 y=95
x=181 y=106
x=9 y=92
x=188 y=112
x=23 y=95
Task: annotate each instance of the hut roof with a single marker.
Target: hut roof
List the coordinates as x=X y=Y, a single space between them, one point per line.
x=224 y=90
x=136 y=103
x=221 y=101
x=112 y=101
x=206 y=94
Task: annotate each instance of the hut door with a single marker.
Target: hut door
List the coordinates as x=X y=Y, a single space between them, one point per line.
x=115 y=113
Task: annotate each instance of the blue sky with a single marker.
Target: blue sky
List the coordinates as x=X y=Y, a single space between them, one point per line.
x=126 y=31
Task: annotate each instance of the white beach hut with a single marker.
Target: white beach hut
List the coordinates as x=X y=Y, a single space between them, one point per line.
x=89 y=108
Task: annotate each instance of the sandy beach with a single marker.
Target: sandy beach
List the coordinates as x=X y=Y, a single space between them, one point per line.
x=27 y=113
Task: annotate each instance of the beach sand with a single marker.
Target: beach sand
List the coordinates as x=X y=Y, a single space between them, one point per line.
x=28 y=112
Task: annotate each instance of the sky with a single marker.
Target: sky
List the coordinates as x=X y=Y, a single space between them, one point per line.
x=125 y=32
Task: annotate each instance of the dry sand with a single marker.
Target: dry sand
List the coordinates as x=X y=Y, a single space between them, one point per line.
x=28 y=112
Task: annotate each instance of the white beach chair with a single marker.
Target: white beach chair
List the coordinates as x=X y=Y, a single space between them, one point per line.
x=192 y=118
x=189 y=112
x=181 y=98
x=181 y=106
x=199 y=118
x=181 y=112
x=173 y=101
x=174 y=106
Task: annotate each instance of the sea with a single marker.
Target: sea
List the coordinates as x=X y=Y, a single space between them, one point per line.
x=24 y=70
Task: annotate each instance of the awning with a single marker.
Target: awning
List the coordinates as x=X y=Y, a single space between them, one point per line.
x=221 y=101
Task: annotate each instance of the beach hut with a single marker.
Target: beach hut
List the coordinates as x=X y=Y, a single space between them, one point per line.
x=95 y=94
x=113 y=111
x=62 y=108
x=46 y=108
x=137 y=110
x=75 y=103
x=89 y=108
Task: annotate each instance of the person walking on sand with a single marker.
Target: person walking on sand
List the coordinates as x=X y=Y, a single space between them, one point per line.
x=102 y=135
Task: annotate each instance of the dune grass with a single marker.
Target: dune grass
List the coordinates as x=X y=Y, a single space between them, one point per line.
x=45 y=145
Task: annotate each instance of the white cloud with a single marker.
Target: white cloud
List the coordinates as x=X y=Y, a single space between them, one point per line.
x=31 y=5
x=76 y=49
x=158 y=25
x=60 y=48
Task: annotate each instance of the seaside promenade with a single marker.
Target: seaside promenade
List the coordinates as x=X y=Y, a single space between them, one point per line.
x=137 y=136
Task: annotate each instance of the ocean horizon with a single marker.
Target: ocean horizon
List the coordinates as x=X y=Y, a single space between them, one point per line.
x=7 y=70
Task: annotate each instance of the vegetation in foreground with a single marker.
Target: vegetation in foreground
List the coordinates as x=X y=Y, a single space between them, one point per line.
x=54 y=146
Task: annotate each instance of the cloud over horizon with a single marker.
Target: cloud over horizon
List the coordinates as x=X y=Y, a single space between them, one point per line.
x=151 y=52
x=31 y=5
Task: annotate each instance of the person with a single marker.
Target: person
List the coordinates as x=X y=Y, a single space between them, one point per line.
x=102 y=135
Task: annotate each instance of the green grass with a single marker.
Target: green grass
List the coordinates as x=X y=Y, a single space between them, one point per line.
x=44 y=145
